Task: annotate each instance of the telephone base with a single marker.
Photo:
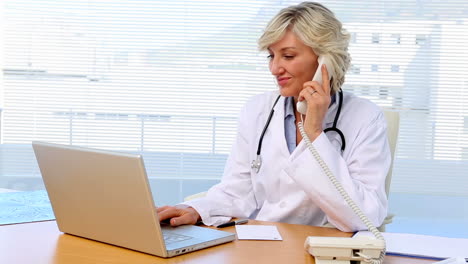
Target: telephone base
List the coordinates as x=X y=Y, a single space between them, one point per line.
x=343 y=250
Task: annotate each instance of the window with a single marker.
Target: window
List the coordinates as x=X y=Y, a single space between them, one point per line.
x=395 y=68
x=465 y=124
x=353 y=69
x=383 y=93
x=395 y=38
x=420 y=40
x=375 y=38
x=167 y=79
x=353 y=37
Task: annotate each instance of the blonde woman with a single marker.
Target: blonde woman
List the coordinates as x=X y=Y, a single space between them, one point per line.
x=273 y=176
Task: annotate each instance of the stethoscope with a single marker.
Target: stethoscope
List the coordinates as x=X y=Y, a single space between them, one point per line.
x=257 y=163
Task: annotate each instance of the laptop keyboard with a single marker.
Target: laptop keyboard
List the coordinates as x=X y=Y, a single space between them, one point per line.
x=170 y=237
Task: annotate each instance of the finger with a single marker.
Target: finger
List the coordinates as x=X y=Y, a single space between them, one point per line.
x=162 y=208
x=316 y=86
x=301 y=97
x=325 y=80
x=309 y=88
x=185 y=219
x=307 y=94
x=170 y=212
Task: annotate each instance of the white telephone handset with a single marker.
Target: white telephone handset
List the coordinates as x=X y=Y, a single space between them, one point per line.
x=302 y=105
x=334 y=250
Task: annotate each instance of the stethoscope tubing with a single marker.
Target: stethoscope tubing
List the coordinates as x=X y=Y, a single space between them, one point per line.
x=335 y=122
x=259 y=148
x=257 y=163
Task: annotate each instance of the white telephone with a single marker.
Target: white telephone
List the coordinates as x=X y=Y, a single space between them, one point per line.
x=302 y=105
x=343 y=250
x=339 y=250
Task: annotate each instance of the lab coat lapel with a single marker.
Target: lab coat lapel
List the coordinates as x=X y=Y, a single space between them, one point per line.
x=330 y=116
x=278 y=125
x=274 y=146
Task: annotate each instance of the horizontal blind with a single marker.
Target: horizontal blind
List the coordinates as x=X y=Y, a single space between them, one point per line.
x=165 y=79
x=409 y=56
x=168 y=78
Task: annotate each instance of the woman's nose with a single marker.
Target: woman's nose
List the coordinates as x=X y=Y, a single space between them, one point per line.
x=276 y=68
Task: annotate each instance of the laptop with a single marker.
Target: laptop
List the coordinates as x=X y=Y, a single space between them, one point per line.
x=105 y=196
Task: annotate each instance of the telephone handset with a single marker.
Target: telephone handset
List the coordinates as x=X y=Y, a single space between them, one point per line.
x=302 y=105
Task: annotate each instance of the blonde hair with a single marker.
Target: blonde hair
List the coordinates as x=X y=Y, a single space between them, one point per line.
x=319 y=29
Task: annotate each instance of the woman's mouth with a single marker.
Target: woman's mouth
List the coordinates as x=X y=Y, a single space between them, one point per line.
x=282 y=81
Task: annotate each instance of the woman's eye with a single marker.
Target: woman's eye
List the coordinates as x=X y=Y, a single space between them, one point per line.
x=288 y=57
x=270 y=56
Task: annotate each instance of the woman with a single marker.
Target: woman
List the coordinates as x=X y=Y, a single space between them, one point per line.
x=290 y=185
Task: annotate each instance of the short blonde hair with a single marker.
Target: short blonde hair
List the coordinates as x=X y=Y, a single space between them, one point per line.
x=319 y=29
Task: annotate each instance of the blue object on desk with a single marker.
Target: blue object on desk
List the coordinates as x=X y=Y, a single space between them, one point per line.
x=23 y=207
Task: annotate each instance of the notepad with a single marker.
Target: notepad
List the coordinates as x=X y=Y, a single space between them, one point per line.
x=423 y=246
x=257 y=232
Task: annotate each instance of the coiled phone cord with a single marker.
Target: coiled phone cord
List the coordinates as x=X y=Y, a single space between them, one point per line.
x=346 y=197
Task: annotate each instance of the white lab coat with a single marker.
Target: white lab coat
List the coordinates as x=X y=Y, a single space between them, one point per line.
x=293 y=188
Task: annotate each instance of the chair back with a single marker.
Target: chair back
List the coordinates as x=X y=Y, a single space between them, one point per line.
x=393 y=126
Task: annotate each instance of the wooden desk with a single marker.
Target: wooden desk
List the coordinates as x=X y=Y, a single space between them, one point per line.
x=43 y=243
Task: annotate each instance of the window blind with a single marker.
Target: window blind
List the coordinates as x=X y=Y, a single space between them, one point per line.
x=168 y=78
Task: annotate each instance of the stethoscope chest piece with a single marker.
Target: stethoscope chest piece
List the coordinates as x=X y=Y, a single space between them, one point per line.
x=256 y=164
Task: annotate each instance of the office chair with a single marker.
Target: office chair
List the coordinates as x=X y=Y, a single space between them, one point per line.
x=194 y=196
x=393 y=126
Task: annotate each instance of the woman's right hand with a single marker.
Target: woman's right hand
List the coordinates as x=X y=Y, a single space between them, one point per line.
x=178 y=215
x=318 y=97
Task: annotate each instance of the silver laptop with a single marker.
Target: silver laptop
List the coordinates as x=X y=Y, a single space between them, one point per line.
x=105 y=196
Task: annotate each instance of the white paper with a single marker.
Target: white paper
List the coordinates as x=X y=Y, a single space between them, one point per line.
x=258 y=232
x=452 y=261
x=423 y=245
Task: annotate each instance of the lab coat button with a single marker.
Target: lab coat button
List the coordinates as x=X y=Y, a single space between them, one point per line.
x=282 y=204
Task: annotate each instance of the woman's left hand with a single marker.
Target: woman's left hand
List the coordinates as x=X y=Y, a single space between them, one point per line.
x=318 y=100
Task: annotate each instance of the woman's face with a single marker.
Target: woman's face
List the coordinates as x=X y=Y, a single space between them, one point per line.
x=292 y=63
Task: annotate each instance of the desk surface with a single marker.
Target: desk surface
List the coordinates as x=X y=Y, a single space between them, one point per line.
x=43 y=243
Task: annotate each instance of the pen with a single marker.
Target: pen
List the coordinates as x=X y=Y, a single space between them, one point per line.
x=236 y=222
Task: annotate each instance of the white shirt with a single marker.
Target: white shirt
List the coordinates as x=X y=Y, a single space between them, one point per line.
x=292 y=187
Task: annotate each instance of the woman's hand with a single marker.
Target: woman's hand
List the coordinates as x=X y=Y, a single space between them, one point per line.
x=318 y=100
x=178 y=215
